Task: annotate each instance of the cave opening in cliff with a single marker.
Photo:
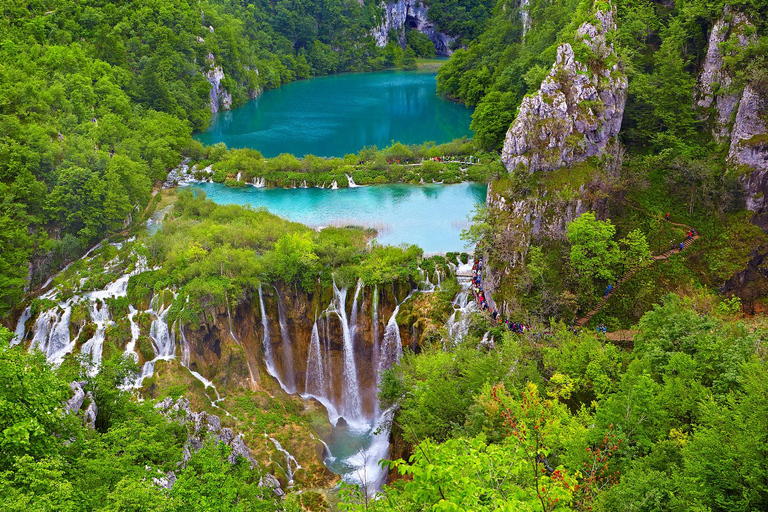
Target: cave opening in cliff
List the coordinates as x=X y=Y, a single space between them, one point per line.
x=412 y=22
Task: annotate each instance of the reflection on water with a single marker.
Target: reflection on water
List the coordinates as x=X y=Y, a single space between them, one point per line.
x=336 y=115
x=430 y=216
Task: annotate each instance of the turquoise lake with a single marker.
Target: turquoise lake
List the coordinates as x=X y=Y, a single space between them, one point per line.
x=430 y=216
x=336 y=115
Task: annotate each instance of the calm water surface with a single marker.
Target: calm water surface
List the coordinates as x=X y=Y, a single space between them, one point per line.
x=336 y=115
x=430 y=216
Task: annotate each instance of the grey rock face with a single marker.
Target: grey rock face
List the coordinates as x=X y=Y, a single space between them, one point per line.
x=577 y=110
x=411 y=14
x=749 y=149
x=219 y=97
x=76 y=402
x=91 y=411
x=714 y=85
x=203 y=425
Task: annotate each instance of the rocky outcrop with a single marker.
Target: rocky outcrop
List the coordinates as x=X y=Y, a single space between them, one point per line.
x=737 y=116
x=219 y=97
x=579 y=106
x=715 y=85
x=79 y=397
x=202 y=426
x=749 y=150
x=410 y=14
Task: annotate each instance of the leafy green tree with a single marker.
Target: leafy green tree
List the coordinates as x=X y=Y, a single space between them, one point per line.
x=594 y=253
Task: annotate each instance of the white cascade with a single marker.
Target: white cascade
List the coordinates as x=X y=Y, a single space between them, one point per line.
x=239 y=175
x=130 y=347
x=352 y=183
x=163 y=341
x=94 y=346
x=259 y=182
x=185 y=358
x=334 y=185
x=315 y=377
x=21 y=327
x=463 y=305
x=391 y=346
x=352 y=402
x=291 y=464
x=51 y=333
x=269 y=360
x=290 y=377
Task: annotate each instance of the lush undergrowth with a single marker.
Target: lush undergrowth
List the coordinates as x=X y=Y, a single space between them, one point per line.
x=568 y=421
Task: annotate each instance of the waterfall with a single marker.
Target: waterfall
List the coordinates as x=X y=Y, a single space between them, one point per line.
x=259 y=182
x=334 y=185
x=21 y=327
x=463 y=305
x=269 y=359
x=315 y=378
x=239 y=175
x=291 y=464
x=163 y=341
x=352 y=183
x=130 y=347
x=52 y=333
x=290 y=377
x=185 y=357
x=352 y=402
x=391 y=345
x=375 y=308
x=95 y=346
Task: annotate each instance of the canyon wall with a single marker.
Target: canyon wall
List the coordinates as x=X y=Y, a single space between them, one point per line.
x=410 y=14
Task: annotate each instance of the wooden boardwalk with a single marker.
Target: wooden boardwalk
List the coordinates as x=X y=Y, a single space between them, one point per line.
x=663 y=256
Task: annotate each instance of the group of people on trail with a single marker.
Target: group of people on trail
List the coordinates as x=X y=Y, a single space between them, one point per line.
x=691 y=233
x=482 y=302
x=601 y=328
x=477 y=285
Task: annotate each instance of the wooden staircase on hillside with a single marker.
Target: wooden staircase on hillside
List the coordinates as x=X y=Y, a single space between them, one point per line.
x=663 y=256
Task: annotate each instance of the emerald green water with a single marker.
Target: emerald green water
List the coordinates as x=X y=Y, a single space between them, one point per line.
x=430 y=216
x=336 y=115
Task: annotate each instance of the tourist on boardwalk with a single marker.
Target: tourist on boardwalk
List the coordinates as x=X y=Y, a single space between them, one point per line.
x=681 y=247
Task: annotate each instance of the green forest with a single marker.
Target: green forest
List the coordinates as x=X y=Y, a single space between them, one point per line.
x=608 y=353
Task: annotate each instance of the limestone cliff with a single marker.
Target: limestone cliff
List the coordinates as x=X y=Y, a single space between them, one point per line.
x=411 y=14
x=715 y=84
x=578 y=108
x=749 y=149
x=219 y=97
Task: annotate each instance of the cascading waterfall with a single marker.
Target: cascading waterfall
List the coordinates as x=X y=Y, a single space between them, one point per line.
x=163 y=341
x=291 y=464
x=94 y=346
x=185 y=358
x=391 y=345
x=352 y=183
x=269 y=359
x=239 y=175
x=315 y=378
x=259 y=182
x=289 y=377
x=351 y=399
x=51 y=333
x=21 y=327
